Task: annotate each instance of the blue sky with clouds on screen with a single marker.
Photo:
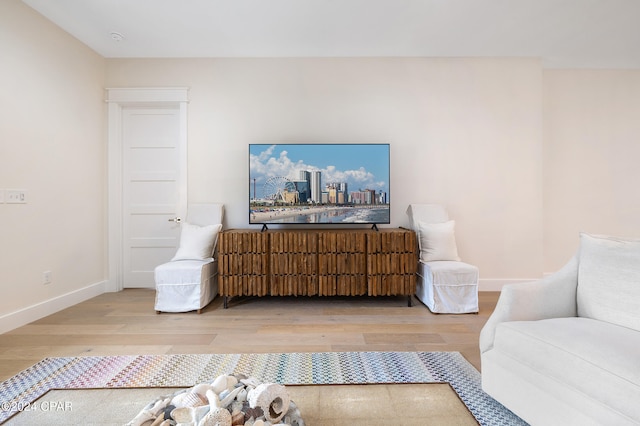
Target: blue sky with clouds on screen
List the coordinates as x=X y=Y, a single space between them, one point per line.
x=362 y=166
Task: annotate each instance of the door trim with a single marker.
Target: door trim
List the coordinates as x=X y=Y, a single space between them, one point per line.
x=117 y=99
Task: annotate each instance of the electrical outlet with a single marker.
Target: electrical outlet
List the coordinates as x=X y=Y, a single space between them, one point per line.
x=16 y=196
x=46 y=277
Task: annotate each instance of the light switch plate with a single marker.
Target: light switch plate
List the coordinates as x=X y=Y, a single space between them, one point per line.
x=1 y=196
x=16 y=196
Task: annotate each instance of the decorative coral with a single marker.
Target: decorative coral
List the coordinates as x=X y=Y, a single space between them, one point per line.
x=216 y=417
x=272 y=398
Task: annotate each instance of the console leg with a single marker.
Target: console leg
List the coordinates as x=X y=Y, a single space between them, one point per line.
x=224 y=303
x=409 y=302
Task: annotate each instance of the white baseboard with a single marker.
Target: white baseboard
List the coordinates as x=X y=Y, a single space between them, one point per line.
x=496 y=284
x=32 y=313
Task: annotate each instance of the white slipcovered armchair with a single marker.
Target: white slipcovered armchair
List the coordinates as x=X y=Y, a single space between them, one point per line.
x=445 y=284
x=189 y=281
x=565 y=350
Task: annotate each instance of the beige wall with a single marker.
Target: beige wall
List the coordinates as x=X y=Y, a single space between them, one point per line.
x=52 y=145
x=591 y=158
x=463 y=132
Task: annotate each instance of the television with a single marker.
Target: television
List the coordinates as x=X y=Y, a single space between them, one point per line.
x=319 y=184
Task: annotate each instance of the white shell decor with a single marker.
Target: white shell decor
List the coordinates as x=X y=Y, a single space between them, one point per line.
x=213 y=398
x=149 y=412
x=272 y=398
x=229 y=397
x=202 y=389
x=223 y=382
x=189 y=415
x=250 y=382
x=228 y=400
x=188 y=399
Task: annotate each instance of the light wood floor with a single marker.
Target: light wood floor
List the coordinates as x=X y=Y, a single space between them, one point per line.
x=125 y=323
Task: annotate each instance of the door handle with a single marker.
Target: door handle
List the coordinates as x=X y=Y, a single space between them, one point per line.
x=176 y=220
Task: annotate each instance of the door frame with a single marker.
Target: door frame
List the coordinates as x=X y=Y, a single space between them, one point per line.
x=117 y=99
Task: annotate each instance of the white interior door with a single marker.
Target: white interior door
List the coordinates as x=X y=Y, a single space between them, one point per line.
x=151 y=185
x=147 y=167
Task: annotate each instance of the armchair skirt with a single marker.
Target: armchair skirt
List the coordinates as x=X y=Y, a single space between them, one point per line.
x=448 y=287
x=186 y=285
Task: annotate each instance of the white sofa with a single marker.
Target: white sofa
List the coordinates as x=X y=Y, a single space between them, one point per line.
x=565 y=350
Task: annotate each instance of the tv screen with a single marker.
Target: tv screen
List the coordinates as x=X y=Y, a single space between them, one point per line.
x=319 y=184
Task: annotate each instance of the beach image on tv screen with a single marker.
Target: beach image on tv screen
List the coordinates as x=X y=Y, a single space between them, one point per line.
x=319 y=183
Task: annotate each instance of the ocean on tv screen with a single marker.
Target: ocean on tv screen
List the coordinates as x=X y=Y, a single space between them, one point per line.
x=322 y=214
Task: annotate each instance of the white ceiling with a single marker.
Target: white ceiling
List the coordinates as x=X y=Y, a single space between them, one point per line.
x=564 y=33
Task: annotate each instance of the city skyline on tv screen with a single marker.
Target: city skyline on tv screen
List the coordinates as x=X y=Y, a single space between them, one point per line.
x=319 y=183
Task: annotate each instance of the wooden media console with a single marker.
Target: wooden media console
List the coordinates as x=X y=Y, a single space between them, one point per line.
x=332 y=262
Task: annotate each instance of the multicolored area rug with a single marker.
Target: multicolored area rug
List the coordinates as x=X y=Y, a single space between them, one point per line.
x=285 y=368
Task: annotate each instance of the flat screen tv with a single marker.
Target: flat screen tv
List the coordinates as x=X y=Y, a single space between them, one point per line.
x=319 y=184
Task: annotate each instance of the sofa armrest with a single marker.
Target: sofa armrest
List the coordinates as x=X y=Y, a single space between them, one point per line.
x=551 y=297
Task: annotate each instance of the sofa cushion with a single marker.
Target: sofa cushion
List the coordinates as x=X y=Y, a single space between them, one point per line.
x=609 y=280
x=596 y=358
